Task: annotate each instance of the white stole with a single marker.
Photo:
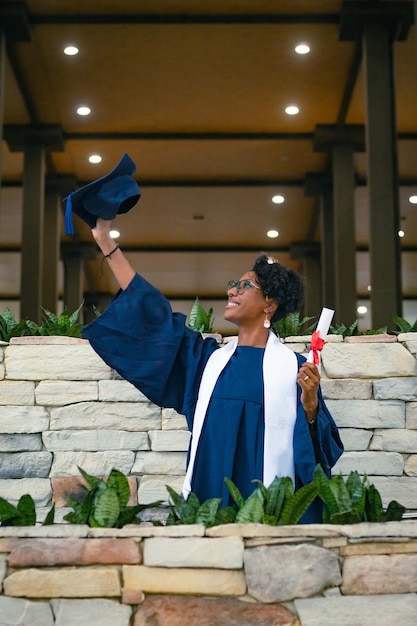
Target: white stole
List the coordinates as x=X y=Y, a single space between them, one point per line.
x=280 y=401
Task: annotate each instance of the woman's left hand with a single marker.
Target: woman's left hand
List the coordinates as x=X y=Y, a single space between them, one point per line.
x=309 y=380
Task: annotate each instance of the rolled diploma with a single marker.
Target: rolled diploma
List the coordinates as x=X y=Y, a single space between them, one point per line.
x=323 y=326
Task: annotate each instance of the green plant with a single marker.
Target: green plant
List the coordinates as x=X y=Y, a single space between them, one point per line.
x=292 y=325
x=276 y=505
x=190 y=511
x=375 y=331
x=403 y=325
x=345 y=331
x=9 y=327
x=199 y=319
x=105 y=503
x=353 y=501
x=62 y=325
x=24 y=514
x=52 y=324
x=352 y=330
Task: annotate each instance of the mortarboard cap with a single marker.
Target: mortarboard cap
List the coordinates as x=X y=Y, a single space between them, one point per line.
x=105 y=197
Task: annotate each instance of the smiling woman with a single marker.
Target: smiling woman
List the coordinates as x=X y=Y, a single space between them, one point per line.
x=254 y=407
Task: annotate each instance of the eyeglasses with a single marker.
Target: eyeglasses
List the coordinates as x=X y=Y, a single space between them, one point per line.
x=241 y=285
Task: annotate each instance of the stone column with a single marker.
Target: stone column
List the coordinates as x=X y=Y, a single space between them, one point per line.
x=415 y=17
x=14 y=26
x=309 y=253
x=341 y=142
x=31 y=277
x=57 y=187
x=2 y=72
x=73 y=255
x=34 y=141
x=73 y=277
x=378 y=25
x=320 y=187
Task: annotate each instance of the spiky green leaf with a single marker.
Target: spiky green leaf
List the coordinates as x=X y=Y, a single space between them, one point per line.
x=296 y=505
x=345 y=517
x=93 y=481
x=225 y=515
x=403 y=324
x=278 y=491
x=26 y=510
x=373 y=505
x=394 y=512
x=236 y=496
x=199 y=319
x=107 y=508
x=206 y=514
x=324 y=490
x=50 y=517
x=120 y=484
x=357 y=490
x=7 y=510
x=292 y=325
x=252 y=510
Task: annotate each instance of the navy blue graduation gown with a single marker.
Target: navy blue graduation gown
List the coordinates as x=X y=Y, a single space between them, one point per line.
x=147 y=344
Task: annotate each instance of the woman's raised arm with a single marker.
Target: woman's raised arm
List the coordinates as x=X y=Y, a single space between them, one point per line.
x=119 y=265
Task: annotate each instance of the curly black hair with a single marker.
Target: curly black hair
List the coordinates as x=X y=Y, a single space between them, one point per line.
x=280 y=284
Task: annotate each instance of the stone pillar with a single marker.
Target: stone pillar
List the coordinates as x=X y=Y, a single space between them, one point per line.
x=73 y=255
x=378 y=25
x=73 y=277
x=32 y=232
x=309 y=253
x=52 y=228
x=320 y=187
x=2 y=72
x=341 y=142
x=34 y=141
x=14 y=26
x=57 y=187
x=415 y=18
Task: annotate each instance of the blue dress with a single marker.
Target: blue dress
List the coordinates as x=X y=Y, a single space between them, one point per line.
x=147 y=344
x=234 y=427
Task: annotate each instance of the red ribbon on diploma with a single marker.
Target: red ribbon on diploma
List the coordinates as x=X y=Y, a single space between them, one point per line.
x=316 y=346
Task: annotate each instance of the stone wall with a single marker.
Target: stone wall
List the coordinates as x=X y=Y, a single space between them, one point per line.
x=61 y=407
x=253 y=575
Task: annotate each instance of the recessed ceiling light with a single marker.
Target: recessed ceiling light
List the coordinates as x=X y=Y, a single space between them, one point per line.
x=71 y=50
x=302 y=48
x=278 y=199
x=272 y=233
x=401 y=233
x=362 y=310
x=114 y=234
x=95 y=158
x=369 y=288
x=412 y=199
x=292 y=109
x=83 y=110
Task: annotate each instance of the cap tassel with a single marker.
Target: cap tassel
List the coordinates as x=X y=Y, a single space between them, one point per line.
x=69 y=224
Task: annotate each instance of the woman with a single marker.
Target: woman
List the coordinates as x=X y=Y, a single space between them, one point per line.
x=254 y=407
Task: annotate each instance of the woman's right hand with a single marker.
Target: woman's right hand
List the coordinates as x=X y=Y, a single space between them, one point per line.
x=101 y=234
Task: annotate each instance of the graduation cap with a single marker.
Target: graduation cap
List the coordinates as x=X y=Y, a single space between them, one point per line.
x=105 y=197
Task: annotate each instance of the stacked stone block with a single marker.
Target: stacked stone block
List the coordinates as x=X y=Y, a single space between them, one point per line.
x=234 y=574
x=62 y=407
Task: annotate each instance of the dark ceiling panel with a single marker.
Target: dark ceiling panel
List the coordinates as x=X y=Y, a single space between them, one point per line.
x=196 y=97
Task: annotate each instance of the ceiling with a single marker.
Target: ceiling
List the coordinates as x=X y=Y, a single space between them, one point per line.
x=195 y=93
